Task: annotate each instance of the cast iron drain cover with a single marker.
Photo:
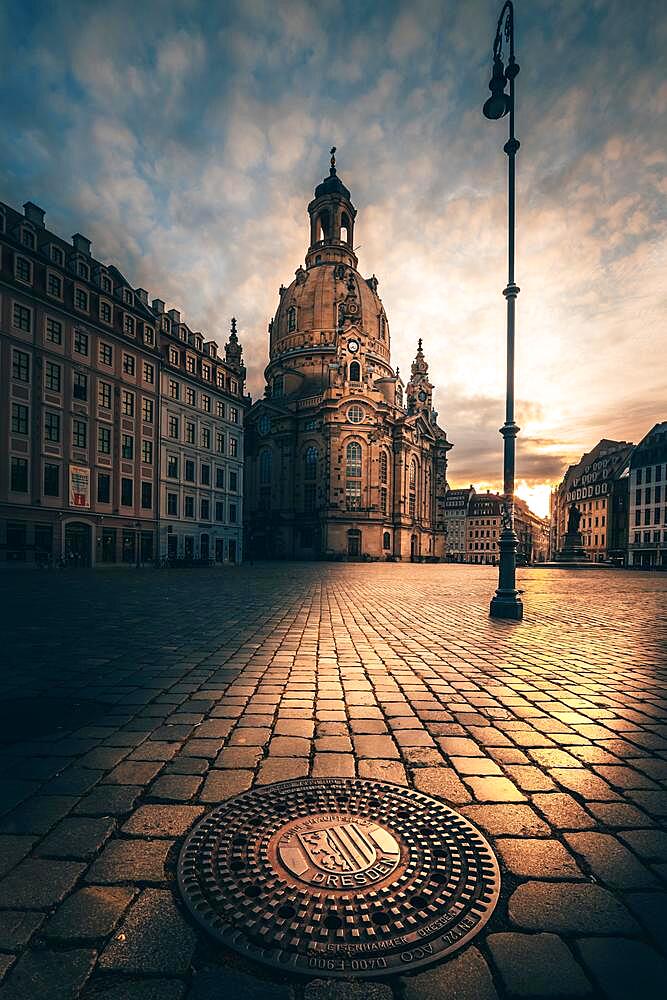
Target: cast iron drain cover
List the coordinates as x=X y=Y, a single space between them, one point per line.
x=339 y=877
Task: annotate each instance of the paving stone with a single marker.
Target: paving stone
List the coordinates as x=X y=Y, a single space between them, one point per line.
x=295 y=727
x=36 y=883
x=77 y=837
x=109 y=800
x=530 y=779
x=332 y=989
x=239 y=758
x=162 y=821
x=130 y=861
x=250 y=737
x=442 y=782
x=134 y=989
x=569 y=908
x=375 y=747
x=611 y=861
x=153 y=937
x=563 y=812
x=651 y=845
x=423 y=757
x=650 y=908
x=466 y=976
x=333 y=744
x=494 y=790
x=537 y=965
x=333 y=765
x=624 y=968
x=175 y=787
x=17 y=927
x=507 y=819
x=38 y=814
x=475 y=765
x=90 y=913
x=218 y=983
x=73 y=781
x=537 y=858
x=13 y=848
x=15 y=790
x=186 y=765
x=584 y=783
x=133 y=773
x=383 y=770
x=221 y=785
x=619 y=814
x=49 y=975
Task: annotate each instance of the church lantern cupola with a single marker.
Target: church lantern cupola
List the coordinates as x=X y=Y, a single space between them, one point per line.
x=332 y=216
x=420 y=390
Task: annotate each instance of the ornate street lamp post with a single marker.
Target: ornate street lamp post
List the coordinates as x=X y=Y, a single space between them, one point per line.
x=507 y=603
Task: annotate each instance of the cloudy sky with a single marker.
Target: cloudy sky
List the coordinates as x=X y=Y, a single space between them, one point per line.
x=185 y=139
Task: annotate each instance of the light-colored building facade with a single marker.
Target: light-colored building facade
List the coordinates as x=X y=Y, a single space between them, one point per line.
x=483 y=527
x=647 y=530
x=532 y=532
x=455 y=513
x=201 y=444
x=79 y=404
x=598 y=486
x=343 y=460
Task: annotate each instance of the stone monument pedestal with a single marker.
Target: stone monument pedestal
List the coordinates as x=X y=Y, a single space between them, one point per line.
x=573 y=550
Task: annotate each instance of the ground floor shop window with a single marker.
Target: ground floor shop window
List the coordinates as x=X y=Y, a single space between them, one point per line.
x=108 y=545
x=43 y=543
x=219 y=550
x=16 y=542
x=146 y=546
x=129 y=541
x=232 y=550
x=189 y=546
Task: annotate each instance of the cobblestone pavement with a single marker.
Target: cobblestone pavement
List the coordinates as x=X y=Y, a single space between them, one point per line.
x=551 y=736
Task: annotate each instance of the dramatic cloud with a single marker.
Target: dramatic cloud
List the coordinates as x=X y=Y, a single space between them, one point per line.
x=185 y=140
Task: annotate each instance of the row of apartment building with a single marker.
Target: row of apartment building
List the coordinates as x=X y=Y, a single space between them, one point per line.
x=620 y=491
x=121 y=429
x=473 y=523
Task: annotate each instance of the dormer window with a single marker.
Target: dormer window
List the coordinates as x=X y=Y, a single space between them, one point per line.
x=128 y=325
x=83 y=270
x=23 y=270
x=173 y=356
x=57 y=256
x=191 y=364
x=106 y=283
x=291 y=319
x=166 y=325
x=128 y=298
x=28 y=238
x=198 y=343
x=206 y=372
x=149 y=335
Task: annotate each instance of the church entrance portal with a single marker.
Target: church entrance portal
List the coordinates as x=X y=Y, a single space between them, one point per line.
x=354 y=542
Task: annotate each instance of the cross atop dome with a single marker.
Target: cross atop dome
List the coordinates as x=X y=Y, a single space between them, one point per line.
x=332 y=169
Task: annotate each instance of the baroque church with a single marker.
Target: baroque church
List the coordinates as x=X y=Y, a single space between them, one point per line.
x=342 y=459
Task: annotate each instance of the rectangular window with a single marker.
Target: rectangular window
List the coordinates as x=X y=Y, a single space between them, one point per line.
x=54 y=331
x=205 y=437
x=233 y=481
x=107 y=285
x=83 y=270
x=205 y=509
x=19 y=475
x=649 y=474
x=220 y=443
x=189 y=470
x=146 y=496
x=219 y=478
x=21 y=366
x=234 y=414
x=174 y=389
x=232 y=513
x=28 y=239
x=23 y=269
x=189 y=506
x=80 y=386
x=191 y=364
x=173 y=427
x=79 y=434
x=172 y=467
x=147 y=410
x=149 y=335
x=383 y=500
x=172 y=504
x=126 y=492
x=104 y=394
x=353 y=494
x=127 y=446
x=129 y=364
x=51 y=480
x=147 y=452
x=206 y=372
x=103 y=487
x=19 y=418
x=52 y=376
x=190 y=432
x=205 y=403
x=219 y=510
x=128 y=325
x=81 y=343
x=57 y=256
x=81 y=299
x=54 y=285
x=233 y=447
x=190 y=396
x=149 y=373
x=52 y=427
x=106 y=354
x=127 y=403
x=105 y=312
x=219 y=409
x=104 y=440
x=220 y=380
x=206 y=475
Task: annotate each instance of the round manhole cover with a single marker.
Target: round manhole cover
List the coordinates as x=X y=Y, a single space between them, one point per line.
x=339 y=877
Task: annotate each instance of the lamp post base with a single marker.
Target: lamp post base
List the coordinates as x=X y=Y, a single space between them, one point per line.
x=509 y=606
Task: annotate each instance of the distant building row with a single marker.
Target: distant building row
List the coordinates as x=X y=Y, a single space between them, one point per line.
x=121 y=430
x=620 y=491
x=473 y=523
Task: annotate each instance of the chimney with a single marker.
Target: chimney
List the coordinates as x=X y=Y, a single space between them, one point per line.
x=143 y=295
x=174 y=315
x=34 y=213
x=158 y=306
x=81 y=243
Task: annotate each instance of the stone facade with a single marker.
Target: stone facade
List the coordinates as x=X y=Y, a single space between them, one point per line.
x=647 y=530
x=342 y=458
x=455 y=512
x=483 y=527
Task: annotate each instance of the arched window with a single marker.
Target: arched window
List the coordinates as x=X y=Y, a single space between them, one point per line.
x=412 y=494
x=355 y=372
x=413 y=474
x=386 y=540
x=265 y=466
x=310 y=463
x=384 y=467
x=322 y=227
x=382 y=326
x=291 y=319
x=353 y=476
x=345 y=228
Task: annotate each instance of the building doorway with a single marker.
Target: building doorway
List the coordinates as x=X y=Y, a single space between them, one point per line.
x=219 y=550
x=232 y=550
x=354 y=542
x=77 y=544
x=413 y=547
x=203 y=547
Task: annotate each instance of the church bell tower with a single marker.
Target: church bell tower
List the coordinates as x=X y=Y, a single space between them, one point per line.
x=332 y=216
